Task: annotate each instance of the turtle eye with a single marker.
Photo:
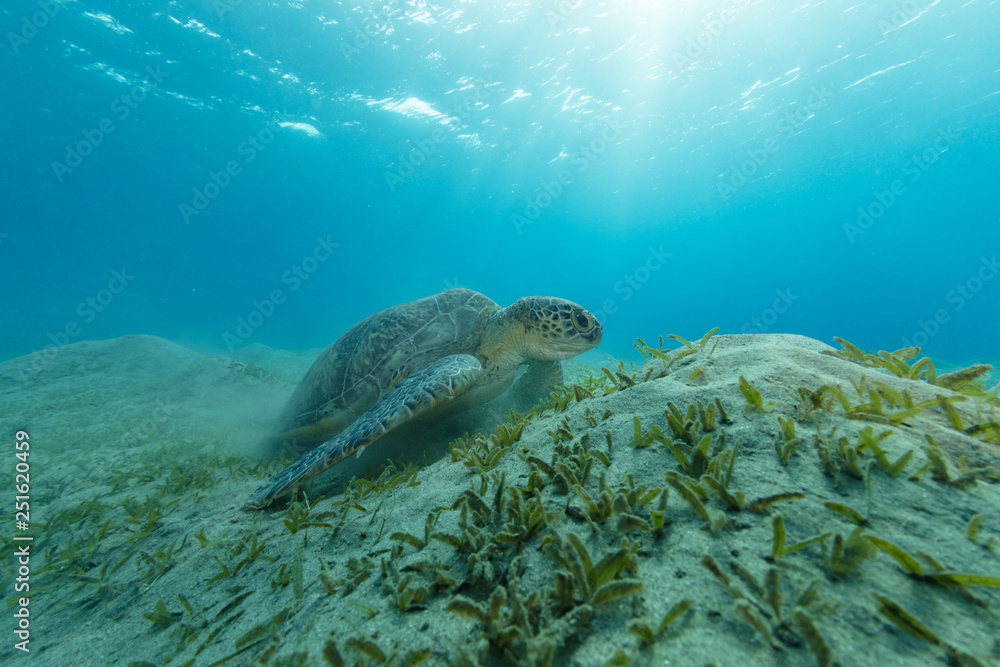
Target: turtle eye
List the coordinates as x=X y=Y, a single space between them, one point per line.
x=582 y=321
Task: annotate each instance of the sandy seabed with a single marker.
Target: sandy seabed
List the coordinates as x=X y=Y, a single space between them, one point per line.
x=558 y=542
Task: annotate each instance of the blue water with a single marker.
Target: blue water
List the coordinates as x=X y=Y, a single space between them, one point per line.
x=822 y=168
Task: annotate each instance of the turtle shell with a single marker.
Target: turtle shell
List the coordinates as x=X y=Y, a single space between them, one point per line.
x=374 y=355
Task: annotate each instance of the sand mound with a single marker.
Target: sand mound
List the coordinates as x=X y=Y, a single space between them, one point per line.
x=554 y=546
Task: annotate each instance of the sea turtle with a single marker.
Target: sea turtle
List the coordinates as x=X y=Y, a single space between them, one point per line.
x=439 y=355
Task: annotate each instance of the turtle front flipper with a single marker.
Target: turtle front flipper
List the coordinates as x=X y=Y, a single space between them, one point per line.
x=426 y=390
x=535 y=384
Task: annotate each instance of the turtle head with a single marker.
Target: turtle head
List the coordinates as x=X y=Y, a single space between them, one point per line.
x=553 y=329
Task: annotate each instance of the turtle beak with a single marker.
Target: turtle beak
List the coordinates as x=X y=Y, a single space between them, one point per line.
x=583 y=343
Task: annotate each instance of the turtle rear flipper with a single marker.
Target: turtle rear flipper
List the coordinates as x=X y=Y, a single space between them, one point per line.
x=426 y=390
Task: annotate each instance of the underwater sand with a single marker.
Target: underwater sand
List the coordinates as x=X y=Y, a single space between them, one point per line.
x=142 y=452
